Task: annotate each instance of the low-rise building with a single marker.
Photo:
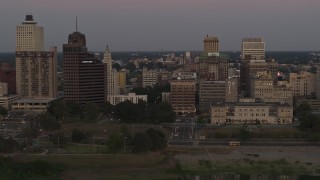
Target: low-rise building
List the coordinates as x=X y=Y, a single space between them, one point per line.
x=251 y=113
x=116 y=99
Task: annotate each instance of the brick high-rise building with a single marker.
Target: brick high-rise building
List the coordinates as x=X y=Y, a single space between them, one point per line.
x=84 y=74
x=183 y=96
x=8 y=75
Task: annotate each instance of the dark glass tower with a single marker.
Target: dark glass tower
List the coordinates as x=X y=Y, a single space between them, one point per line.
x=83 y=73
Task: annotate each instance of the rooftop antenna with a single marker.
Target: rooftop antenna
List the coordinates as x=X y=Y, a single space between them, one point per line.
x=76 y=23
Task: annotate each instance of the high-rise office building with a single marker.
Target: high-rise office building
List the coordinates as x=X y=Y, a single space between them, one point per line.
x=84 y=74
x=36 y=71
x=252 y=49
x=29 y=36
x=211 y=46
x=111 y=77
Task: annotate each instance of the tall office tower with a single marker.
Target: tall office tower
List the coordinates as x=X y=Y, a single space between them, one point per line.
x=249 y=68
x=29 y=36
x=84 y=74
x=211 y=46
x=36 y=71
x=112 y=77
x=8 y=75
x=183 y=96
x=213 y=68
x=252 y=49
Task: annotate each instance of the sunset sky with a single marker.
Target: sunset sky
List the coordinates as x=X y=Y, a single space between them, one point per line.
x=139 y=25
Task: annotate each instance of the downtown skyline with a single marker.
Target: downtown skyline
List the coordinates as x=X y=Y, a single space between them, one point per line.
x=142 y=25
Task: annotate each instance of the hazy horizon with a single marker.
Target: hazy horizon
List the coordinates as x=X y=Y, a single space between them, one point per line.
x=176 y=25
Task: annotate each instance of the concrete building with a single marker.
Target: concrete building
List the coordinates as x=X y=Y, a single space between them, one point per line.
x=231 y=92
x=31 y=106
x=132 y=97
x=166 y=97
x=251 y=113
x=248 y=69
x=211 y=46
x=213 y=68
x=253 y=49
x=263 y=87
x=183 y=96
x=84 y=74
x=29 y=36
x=36 y=69
x=149 y=77
x=7 y=101
x=3 y=89
x=36 y=74
x=302 y=83
x=211 y=92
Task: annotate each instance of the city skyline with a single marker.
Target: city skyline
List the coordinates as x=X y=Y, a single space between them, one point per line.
x=142 y=25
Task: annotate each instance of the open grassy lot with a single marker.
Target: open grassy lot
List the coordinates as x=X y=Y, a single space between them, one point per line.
x=180 y=162
x=144 y=166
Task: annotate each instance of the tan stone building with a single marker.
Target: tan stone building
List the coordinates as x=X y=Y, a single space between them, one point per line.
x=211 y=46
x=149 y=77
x=303 y=83
x=262 y=86
x=254 y=48
x=36 y=69
x=251 y=112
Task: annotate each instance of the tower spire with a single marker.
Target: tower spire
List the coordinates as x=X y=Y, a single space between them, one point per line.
x=76 y=23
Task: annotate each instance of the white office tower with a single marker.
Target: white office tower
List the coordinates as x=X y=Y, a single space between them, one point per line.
x=111 y=75
x=29 y=36
x=36 y=69
x=253 y=49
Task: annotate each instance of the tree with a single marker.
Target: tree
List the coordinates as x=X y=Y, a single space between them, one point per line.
x=142 y=142
x=47 y=122
x=78 y=136
x=131 y=67
x=106 y=108
x=161 y=113
x=91 y=112
x=115 y=142
x=116 y=66
x=3 y=111
x=244 y=134
x=158 y=139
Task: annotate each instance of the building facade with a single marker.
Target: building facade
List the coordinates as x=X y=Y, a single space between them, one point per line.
x=253 y=49
x=211 y=46
x=84 y=74
x=36 y=69
x=132 y=97
x=183 y=96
